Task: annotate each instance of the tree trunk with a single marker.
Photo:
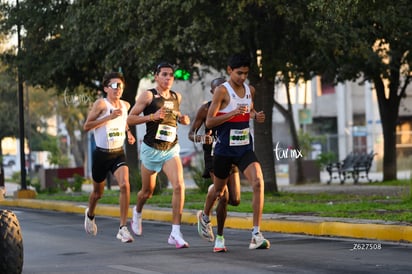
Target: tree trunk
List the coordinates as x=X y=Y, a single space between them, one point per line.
x=76 y=148
x=288 y=115
x=132 y=155
x=1 y=166
x=263 y=133
x=300 y=179
x=388 y=109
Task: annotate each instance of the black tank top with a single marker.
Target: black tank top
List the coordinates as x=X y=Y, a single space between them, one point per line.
x=158 y=131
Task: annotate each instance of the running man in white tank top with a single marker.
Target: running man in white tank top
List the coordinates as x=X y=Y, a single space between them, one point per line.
x=229 y=114
x=108 y=119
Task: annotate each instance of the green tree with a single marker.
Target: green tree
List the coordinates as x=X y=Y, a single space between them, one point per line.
x=370 y=40
x=8 y=107
x=72 y=43
x=188 y=34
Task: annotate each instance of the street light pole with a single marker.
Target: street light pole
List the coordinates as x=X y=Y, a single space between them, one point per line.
x=21 y=110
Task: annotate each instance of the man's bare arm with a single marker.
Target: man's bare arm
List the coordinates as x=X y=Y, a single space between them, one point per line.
x=91 y=122
x=199 y=120
x=142 y=101
x=219 y=101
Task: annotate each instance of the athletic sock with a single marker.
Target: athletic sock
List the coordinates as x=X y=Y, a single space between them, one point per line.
x=175 y=229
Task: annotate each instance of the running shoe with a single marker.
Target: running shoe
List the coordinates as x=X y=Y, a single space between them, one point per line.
x=177 y=240
x=220 y=245
x=259 y=242
x=89 y=225
x=204 y=228
x=136 y=223
x=124 y=235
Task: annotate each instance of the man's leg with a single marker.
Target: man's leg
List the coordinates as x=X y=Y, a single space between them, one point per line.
x=148 y=186
x=204 y=227
x=254 y=175
x=221 y=212
x=122 y=176
x=234 y=187
x=95 y=195
x=230 y=196
x=174 y=171
x=221 y=193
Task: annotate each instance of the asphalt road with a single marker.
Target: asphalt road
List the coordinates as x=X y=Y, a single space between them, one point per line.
x=55 y=242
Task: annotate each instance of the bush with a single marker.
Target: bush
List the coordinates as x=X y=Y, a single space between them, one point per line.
x=77 y=183
x=73 y=184
x=201 y=183
x=326 y=158
x=135 y=179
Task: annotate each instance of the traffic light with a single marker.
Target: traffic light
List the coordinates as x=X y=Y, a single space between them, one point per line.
x=182 y=74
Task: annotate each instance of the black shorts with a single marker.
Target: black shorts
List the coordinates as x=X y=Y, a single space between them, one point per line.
x=208 y=158
x=103 y=162
x=222 y=165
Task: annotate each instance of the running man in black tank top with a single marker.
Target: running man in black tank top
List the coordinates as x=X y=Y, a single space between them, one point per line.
x=160 y=148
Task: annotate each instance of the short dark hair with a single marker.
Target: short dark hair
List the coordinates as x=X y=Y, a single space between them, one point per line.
x=112 y=75
x=217 y=82
x=163 y=64
x=238 y=60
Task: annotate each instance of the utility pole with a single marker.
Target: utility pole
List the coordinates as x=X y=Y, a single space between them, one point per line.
x=21 y=110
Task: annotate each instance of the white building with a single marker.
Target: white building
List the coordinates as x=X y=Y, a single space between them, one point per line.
x=347 y=114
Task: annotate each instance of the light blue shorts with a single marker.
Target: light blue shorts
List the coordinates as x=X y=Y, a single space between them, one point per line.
x=153 y=159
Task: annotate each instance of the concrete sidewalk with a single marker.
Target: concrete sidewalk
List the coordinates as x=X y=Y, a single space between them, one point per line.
x=297 y=224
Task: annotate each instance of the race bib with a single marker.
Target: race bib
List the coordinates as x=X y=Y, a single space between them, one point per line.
x=166 y=133
x=115 y=137
x=239 y=137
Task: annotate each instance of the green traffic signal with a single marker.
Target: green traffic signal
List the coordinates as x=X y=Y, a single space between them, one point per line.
x=182 y=74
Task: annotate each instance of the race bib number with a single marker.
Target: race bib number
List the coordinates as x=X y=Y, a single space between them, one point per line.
x=239 y=137
x=115 y=137
x=166 y=133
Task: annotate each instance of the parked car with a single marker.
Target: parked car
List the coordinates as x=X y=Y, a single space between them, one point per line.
x=186 y=155
x=9 y=160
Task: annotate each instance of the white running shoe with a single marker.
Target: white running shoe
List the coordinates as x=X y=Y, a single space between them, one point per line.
x=136 y=223
x=259 y=242
x=204 y=229
x=177 y=240
x=89 y=225
x=220 y=245
x=124 y=235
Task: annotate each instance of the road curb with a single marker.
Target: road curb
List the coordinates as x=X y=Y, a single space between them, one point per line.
x=350 y=229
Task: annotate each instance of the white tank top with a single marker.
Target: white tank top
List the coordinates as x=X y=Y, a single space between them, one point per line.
x=235 y=100
x=112 y=134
